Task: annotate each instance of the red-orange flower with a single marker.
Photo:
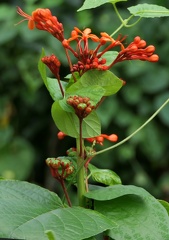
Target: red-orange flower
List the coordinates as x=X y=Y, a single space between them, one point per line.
x=100 y=139
x=84 y=35
x=43 y=19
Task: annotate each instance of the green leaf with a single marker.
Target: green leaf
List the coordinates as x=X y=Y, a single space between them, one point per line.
x=42 y=68
x=88 y=4
x=165 y=205
x=110 y=56
x=68 y=122
x=138 y=214
x=104 y=176
x=149 y=10
x=29 y=212
x=94 y=92
x=54 y=88
x=105 y=79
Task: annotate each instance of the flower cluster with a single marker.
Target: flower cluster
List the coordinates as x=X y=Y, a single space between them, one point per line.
x=43 y=19
x=83 y=106
x=60 y=168
x=87 y=58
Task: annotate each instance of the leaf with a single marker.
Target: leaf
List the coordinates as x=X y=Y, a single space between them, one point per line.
x=165 y=205
x=149 y=10
x=68 y=122
x=110 y=56
x=94 y=92
x=105 y=79
x=104 y=176
x=138 y=214
x=91 y=126
x=42 y=68
x=88 y=4
x=31 y=212
x=54 y=88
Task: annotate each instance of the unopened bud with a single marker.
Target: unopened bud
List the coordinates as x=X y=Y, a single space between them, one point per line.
x=153 y=58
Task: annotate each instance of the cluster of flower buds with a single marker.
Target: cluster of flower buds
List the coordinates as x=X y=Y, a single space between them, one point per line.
x=43 y=19
x=60 y=167
x=53 y=64
x=137 y=50
x=90 y=63
x=83 y=106
x=100 y=139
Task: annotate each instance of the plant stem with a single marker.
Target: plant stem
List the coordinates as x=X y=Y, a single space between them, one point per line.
x=131 y=135
x=70 y=63
x=81 y=173
x=60 y=85
x=65 y=192
x=124 y=22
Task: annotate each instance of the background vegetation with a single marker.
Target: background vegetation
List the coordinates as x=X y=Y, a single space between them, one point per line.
x=27 y=132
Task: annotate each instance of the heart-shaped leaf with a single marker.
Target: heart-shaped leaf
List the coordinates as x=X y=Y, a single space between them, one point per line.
x=138 y=214
x=105 y=79
x=30 y=212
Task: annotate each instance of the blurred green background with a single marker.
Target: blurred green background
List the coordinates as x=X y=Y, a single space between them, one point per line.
x=27 y=132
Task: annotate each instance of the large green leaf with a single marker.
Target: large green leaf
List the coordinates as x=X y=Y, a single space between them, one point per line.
x=105 y=79
x=88 y=4
x=30 y=212
x=149 y=10
x=138 y=214
x=68 y=122
x=105 y=176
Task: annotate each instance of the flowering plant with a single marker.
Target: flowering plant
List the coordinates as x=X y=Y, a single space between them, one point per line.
x=113 y=212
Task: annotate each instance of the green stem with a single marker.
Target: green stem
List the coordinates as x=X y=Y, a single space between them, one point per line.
x=124 y=22
x=118 y=14
x=131 y=135
x=81 y=190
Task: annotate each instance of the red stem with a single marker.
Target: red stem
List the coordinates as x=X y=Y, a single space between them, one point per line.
x=65 y=192
x=70 y=63
x=60 y=85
